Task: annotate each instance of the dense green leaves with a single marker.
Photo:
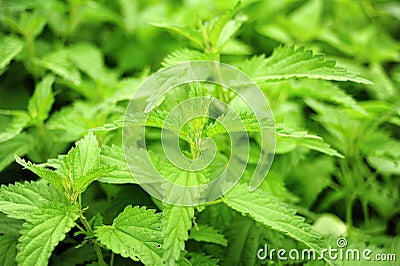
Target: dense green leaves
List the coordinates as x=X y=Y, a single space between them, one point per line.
x=265 y=209
x=329 y=69
x=210 y=37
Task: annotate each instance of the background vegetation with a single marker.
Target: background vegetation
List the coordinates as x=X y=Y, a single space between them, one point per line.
x=71 y=66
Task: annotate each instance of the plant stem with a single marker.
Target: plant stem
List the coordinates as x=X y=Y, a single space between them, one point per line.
x=112 y=259
x=89 y=229
x=80 y=227
x=364 y=205
x=96 y=244
x=214 y=202
x=99 y=254
x=349 y=211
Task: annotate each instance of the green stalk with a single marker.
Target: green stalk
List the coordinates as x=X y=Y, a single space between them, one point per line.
x=96 y=244
x=90 y=231
x=112 y=259
x=349 y=211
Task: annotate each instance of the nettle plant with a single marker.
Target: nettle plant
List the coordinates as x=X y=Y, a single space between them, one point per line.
x=86 y=207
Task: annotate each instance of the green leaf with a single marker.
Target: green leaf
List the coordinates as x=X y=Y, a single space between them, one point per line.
x=129 y=12
x=135 y=233
x=202 y=260
x=237 y=123
x=58 y=62
x=114 y=158
x=251 y=124
x=308 y=183
x=31 y=24
x=75 y=256
x=322 y=90
x=48 y=214
x=382 y=195
x=156 y=119
x=23 y=200
x=12 y=123
x=74 y=171
x=43 y=231
x=221 y=25
x=82 y=163
x=9 y=233
x=244 y=238
x=236 y=47
x=186 y=32
x=50 y=176
x=88 y=59
x=178 y=176
x=306 y=22
x=228 y=31
x=321 y=146
x=9 y=48
x=219 y=216
x=8 y=249
x=18 y=5
x=9 y=225
x=176 y=222
x=19 y=145
x=265 y=209
x=303 y=138
x=289 y=62
x=183 y=55
x=207 y=233
x=83 y=158
x=42 y=99
x=74 y=121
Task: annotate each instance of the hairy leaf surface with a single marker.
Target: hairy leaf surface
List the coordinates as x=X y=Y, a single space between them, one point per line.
x=135 y=233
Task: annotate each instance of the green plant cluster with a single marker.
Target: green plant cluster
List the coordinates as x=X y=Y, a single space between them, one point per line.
x=69 y=68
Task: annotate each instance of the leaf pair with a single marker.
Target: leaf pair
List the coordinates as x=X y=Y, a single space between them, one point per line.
x=210 y=37
x=75 y=171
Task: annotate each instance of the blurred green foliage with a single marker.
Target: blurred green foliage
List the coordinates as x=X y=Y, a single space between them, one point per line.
x=71 y=66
